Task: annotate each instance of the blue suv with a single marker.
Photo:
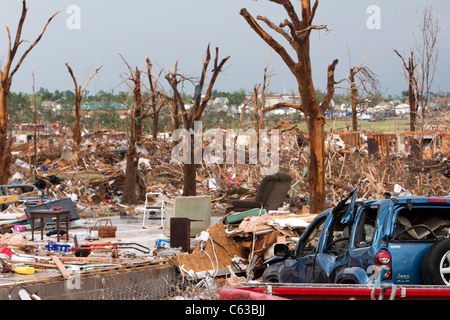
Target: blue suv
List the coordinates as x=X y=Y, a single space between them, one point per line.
x=353 y=241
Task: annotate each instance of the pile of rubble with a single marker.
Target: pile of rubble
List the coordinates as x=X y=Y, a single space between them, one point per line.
x=93 y=177
x=240 y=242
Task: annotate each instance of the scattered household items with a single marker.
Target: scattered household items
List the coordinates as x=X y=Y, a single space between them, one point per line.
x=27 y=193
x=85 y=249
x=55 y=213
x=104 y=228
x=13 y=239
x=271 y=194
x=11 y=212
x=55 y=247
x=240 y=242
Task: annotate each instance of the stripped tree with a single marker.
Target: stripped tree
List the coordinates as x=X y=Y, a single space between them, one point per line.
x=133 y=80
x=137 y=113
x=79 y=92
x=361 y=77
x=195 y=112
x=7 y=73
x=260 y=104
x=428 y=53
x=410 y=69
x=297 y=35
x=422 y=64
x=156 y=101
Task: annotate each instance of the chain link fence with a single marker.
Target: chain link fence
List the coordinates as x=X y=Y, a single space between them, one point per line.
x=167 y=287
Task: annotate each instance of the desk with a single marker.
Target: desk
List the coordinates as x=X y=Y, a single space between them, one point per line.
x=41 y=214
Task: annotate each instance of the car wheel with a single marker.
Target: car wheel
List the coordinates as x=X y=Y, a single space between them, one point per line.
x=270 y=275
x=81 y=253
x=436 y=264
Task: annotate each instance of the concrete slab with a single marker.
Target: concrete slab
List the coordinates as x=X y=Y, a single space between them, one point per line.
x=129 y=229
x=51 y=284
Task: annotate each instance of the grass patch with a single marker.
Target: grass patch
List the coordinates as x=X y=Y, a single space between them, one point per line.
x=386 y=126
x=81 y=175
x=97 y=214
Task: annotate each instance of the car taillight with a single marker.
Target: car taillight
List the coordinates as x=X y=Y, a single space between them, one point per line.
x=436 y=200
x=383 y=259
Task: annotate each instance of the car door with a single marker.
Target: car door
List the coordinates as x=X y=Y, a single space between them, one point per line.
x=331 y=255
x=300 y=269
x=365 y=240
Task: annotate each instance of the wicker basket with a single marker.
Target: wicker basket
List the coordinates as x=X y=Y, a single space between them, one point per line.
x=105 y=228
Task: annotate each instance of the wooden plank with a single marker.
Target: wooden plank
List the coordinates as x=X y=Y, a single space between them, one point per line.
x=257 y=229
x=37 y=264
x=60 y=266
x=8 y=199
x=90 y=259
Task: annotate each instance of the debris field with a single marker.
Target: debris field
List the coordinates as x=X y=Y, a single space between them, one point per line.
x=233 y=248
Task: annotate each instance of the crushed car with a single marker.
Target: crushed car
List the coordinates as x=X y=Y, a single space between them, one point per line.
x=401 y=240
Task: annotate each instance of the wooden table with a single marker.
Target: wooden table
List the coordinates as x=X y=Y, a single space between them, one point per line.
x=41 y=214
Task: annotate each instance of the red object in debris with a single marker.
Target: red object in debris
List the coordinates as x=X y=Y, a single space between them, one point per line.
x=239 y=294
x=336 y=292
x=232 y=176
x=7 y=251
x=56 y=208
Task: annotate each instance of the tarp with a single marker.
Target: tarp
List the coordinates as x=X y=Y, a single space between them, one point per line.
x=65 y=204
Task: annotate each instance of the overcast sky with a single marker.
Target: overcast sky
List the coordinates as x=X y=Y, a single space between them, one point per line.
x=172 y=30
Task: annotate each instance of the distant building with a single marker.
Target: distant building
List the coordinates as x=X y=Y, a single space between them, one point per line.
x=402 y=108
x=24 y=132
x=92 y=107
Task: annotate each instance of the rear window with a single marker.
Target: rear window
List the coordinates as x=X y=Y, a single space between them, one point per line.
x=420 y=223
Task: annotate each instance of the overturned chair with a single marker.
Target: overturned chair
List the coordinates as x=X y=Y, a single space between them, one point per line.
x=270 y=195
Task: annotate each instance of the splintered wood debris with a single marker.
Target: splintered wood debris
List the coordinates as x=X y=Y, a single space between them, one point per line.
x=225 y=248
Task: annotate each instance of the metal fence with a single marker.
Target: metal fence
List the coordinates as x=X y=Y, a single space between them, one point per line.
x=168 y=287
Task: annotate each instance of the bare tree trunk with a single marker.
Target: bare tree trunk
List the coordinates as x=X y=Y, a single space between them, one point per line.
x=6 y=77
x=5 y=143
x=174 y=115
x=76 y=126
x=79 y=92
x=367 y=79
x=138 y=115
x=260 y=107
x=257 y=116
x=129 y=188
x=155 y=121
x=316 y=165
x=410 y=70
x=412 y=95
x=354 y=90
x=153 y=107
